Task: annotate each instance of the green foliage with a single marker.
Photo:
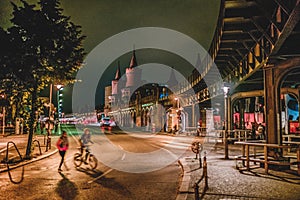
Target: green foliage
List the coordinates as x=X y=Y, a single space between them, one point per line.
x=41 y=47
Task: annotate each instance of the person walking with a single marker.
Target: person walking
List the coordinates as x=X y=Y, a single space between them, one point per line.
x=62 y=145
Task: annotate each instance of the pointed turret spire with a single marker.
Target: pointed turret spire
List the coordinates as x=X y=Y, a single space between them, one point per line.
x=133 y=62
x=118 y=72
x=198 y=62
x=172 y=80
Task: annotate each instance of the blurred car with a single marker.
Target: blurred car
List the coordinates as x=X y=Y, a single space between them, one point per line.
x=107 y=122
x=69 y=119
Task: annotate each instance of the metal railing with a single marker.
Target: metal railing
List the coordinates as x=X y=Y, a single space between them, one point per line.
x=272 y=154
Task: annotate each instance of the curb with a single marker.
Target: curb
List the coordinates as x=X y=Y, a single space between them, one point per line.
x=43 y=156
x=185 y=182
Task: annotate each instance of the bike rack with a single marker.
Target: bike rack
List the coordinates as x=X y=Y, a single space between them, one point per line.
x=197 y=148
x=38 y=145
x=7 y=163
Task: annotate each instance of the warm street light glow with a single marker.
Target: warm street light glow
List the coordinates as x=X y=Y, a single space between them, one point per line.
x=226 y=90
x=59 y=86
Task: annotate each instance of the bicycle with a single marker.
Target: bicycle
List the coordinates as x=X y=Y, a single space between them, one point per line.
x=80 y=157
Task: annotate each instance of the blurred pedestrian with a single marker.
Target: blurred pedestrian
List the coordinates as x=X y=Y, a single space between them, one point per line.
x=261 y=131
x=85 y=139
x=62 y=145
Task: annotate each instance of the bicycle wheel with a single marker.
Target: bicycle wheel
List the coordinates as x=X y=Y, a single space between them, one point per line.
x=77 y=159
x=93 y=162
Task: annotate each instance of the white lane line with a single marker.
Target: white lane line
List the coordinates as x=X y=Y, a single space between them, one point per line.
x=166 y=150
x=124 y=154
x=176 y=146
x=76 y=139
x=175 y=143
x=107 y=172
x=123 y=157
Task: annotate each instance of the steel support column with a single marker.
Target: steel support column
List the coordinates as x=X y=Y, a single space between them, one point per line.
x=272 y=102
x=273 y=77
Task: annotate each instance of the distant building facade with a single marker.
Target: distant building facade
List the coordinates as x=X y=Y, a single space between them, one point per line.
x=135 y=104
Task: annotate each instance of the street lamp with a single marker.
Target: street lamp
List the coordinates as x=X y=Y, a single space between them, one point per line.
x=2 y=96
x=177 y=101
x=177 y=111
x=226 y=91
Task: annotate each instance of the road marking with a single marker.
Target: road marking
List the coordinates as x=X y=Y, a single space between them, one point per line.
x=121 y=147
x=123 y=157
x=107 y=172
x=172 y=154
x=75 y=138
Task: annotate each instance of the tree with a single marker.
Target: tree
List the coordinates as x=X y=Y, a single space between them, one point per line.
x=48 y=48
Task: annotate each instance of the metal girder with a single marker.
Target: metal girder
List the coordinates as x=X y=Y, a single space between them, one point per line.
x=240 y=36
x=250 y=50
x=246 y=26
x=238 y=4
x=240 y=53
x=257 y=41
x=288 y=27
x=236 y=20
x=226 y=68
x=261 y=29
x=233 y=45
x=283 y=6
x=265 y=14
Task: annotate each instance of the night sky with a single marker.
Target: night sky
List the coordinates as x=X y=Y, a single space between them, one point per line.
x=101 y=19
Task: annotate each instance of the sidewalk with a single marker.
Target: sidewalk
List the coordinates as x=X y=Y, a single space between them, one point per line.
x=226 y=182
x=21 y=142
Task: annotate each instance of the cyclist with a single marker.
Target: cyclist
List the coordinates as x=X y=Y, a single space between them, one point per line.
x=85 y=139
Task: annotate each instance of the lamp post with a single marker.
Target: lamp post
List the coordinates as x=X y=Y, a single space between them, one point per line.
x=226 y=90
x=177 y=112
x=177 y=102
x=3 y=103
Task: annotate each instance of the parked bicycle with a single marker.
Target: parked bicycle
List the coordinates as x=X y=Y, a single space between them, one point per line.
x=85 y=157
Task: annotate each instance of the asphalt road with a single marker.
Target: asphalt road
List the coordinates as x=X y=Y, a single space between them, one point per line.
x=131 y=166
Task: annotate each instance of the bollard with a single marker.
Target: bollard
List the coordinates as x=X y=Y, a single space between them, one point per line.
x=205 y=172
x=200 y=160
x=48 y=144
x=196 y=189
x=226 y=145
x=200 y=149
